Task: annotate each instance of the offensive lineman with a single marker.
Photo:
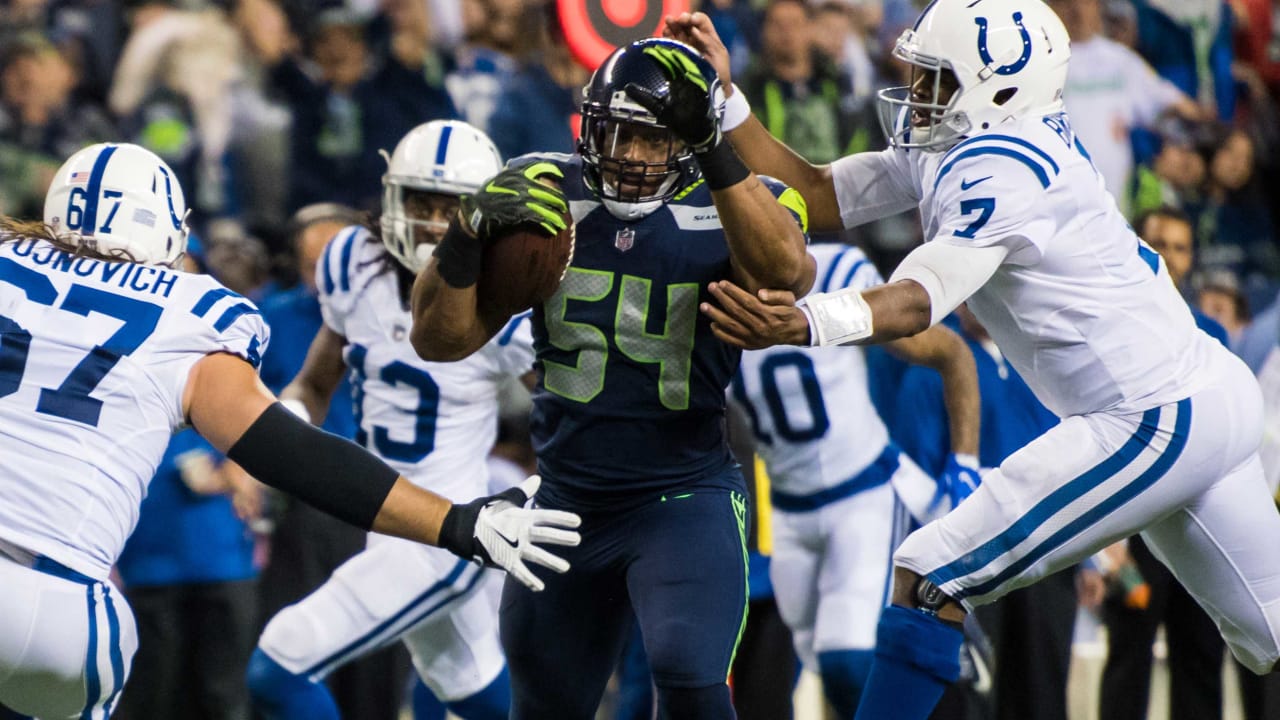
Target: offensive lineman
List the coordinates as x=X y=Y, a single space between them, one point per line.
x=628 y=416
x=843 y=495
x=1161 y=424
x=433 y=422
x=104 y=351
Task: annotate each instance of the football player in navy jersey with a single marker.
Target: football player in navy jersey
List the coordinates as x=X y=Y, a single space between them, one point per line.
x=628 y=417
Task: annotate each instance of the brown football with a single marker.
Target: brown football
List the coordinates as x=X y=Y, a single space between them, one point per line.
x=524 y=269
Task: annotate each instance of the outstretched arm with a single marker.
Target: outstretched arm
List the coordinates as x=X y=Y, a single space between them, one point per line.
x=227 y=403
x=766 y=244
x=762 y=152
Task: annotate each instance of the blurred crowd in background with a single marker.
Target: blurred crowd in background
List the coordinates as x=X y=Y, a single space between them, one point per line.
x=266 y=107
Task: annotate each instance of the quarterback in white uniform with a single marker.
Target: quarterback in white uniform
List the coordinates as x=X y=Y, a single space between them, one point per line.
x=1161 y=425
x=841 y=507
x=105 y=350
x=433 y=422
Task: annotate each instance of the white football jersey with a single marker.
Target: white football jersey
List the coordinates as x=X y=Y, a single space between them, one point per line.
x=434 y=422
x=1083 y=310
x=94 y=357
x=810 y=407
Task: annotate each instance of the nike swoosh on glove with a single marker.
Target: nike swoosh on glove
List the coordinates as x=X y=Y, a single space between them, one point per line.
x=499 y=531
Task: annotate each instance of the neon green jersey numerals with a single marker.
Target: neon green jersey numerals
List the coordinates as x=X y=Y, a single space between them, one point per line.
x=671 y=350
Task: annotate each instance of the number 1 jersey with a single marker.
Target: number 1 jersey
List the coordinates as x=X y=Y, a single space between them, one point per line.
x=94 y=358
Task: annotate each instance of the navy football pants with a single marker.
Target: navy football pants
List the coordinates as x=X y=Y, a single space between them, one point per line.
x=679 y=562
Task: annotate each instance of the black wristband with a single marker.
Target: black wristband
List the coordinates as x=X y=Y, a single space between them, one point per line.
x=334 y=475
x=457 y=531
x=459 y=256
x=722 y=167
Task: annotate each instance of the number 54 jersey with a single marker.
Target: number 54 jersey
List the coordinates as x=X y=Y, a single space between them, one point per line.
x=94 y=358
x=631 y=390
x=434 y=422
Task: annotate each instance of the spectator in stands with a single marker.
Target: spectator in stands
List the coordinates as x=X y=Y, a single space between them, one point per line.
x=347 y=103
x=172 y=91
x=485 y=61
x=538 y=108
x=1111 y=90
x=1189 y=43
x=1217 y=295
x=1176 y=174
x=796 y=90
x=39 y=121
x=1234 y=219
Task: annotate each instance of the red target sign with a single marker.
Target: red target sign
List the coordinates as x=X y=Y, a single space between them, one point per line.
x=595 y=28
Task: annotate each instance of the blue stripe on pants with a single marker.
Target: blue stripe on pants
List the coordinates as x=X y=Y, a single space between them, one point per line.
x=117 y=655
x=340 y=655
x=1099 y=511
x=93 y=689
x=1051 y=505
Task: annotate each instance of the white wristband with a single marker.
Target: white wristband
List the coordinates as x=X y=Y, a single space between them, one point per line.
x=736 y=110
x=837 y=318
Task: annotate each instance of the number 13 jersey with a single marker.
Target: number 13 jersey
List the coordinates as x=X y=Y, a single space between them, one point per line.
x=94 y=358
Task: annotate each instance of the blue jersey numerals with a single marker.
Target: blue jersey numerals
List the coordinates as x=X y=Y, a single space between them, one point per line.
x=671 y=350
x=71 y=400
x=984 y=207
x=819 y=422
x=396 y=373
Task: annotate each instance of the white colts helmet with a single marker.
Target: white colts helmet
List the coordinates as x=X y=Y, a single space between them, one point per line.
x=448 y=157
x=116 y=199
x=1009 y=57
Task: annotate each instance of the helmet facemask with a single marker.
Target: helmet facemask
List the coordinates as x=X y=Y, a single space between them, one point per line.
x=628 y=157
x=923 y=114
x=414 y=221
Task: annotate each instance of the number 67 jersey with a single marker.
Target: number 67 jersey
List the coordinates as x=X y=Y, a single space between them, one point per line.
x=94 y=357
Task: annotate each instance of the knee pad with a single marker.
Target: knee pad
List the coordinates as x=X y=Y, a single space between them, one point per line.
x=844 y=675
x=704 y=703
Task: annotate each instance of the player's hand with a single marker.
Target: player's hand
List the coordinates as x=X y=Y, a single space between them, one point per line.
x=697 y=31
x=499 y=531
x=959 y=479
x=515 y=198
x=688 y=106
x=757 y=321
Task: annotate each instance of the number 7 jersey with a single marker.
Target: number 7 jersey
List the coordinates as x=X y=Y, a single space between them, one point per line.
x=94 y=358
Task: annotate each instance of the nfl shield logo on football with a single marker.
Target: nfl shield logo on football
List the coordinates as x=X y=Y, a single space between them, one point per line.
x=625 y=239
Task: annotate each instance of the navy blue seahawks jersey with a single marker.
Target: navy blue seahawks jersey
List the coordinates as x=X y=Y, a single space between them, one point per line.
x=631 y=381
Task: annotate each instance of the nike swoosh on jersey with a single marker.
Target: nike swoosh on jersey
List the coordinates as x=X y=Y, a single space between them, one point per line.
x=965 y=184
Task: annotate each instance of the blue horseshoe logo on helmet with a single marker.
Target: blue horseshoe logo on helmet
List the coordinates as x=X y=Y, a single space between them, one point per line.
x=1018 y=64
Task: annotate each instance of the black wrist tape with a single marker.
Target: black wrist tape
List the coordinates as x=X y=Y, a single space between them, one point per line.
x=335 y=476
x=459 y=256
x=457 y=531
x=722 y=167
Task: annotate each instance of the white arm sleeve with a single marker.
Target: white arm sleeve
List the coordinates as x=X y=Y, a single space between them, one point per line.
x=949 y=273
x=872 y=185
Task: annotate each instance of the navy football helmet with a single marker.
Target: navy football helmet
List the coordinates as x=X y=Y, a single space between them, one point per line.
x=630 y=161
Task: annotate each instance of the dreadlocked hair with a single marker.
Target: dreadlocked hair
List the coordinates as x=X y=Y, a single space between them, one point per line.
x=15 y=230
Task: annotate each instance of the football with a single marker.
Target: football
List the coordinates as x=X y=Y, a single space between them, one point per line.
x=523 y=269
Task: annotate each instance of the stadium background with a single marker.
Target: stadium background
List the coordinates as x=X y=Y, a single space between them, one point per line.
x=266 y=106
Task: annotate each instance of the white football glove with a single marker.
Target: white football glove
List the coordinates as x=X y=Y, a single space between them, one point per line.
x=500 y=532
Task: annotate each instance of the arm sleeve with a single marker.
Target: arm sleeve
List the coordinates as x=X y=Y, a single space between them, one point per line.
x=873 y=185
x=949 y=273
